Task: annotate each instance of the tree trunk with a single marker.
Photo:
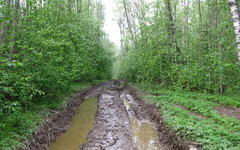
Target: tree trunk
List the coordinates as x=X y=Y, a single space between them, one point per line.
x=120 y=22
x=12 y=51
x=220 y=53
x=200 y=20
x=128 y=22
x=70 y=6
x=79 y=6
x=187 y=32
x=3 y=27
x=236 y=22
x=209 y=51
x=172 y=27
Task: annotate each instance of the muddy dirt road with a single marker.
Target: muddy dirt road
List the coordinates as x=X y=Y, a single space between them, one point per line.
x=112 y=129
x=123 y=122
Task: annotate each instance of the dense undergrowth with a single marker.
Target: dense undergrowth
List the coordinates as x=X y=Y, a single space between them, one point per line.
x=193 y=117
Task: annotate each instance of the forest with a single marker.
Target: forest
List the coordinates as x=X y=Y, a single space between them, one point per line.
x=184 y=54
x=180 y=44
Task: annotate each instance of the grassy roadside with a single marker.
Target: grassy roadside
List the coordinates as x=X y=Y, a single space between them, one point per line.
x=192 y=116
x=18 y=125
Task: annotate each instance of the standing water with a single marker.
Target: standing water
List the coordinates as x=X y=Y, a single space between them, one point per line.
x=144 y=136
x=79 y=127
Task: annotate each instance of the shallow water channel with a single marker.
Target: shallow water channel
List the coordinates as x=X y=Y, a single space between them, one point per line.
x=79 y=127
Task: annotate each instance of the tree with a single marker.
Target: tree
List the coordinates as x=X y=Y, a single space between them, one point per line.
x=128 y=22
x=15 y=30
x=172 y=27
x=236 y=22
x=180 y=44
x=3 y=26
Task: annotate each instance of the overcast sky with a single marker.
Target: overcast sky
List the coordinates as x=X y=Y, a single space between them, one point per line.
x=111 y=26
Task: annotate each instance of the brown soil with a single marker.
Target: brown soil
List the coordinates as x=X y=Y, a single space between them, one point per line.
x=112 y=128
x=229 y=111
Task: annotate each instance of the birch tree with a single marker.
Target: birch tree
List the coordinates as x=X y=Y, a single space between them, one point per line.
x=236 y=22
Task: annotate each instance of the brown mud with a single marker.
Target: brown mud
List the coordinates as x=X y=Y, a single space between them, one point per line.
x=229 y=111
x=118 y=109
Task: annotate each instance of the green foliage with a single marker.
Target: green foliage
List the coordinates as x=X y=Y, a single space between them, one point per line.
x=193 y=117
x=16 y=127
x=208 y=55
x=53 y=52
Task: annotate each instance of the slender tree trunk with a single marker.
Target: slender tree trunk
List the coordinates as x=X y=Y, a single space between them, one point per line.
x=209 y=51
x=3 y=27
x=27 y=8
x=220 y=53
x=236 y=22
x=12 y=51
x=221 y=73
x=175 y=35
x=79 y=6
x=200 y=20
x=70 y=6
x=121 y=40
x=187 y=29
x=128 y=22
x=124 y=41
x=172 y=27
x=187 y=42
x=88 y=6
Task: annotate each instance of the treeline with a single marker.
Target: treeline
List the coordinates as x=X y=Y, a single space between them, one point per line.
x=46 y=45
x=188 y=44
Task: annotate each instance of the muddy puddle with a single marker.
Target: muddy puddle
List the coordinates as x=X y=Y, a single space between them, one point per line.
x=144 y=136
x=79 y=127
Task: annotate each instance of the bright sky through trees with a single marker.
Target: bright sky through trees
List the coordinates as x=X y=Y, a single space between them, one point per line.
x=111 y=26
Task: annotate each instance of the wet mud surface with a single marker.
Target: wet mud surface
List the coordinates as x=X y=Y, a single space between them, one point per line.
x=112 y=129
x=121 y=119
